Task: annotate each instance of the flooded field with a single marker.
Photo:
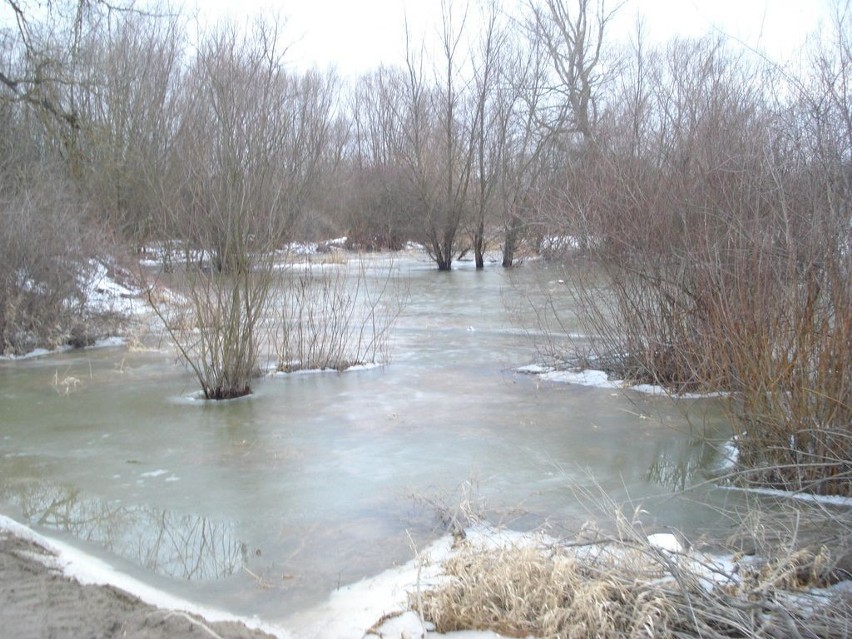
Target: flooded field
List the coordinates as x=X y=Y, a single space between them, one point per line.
x=267 y=504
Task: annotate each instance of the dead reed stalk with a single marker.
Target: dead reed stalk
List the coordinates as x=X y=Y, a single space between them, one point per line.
x=336 y=317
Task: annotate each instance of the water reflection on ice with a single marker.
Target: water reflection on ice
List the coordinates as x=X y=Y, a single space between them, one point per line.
x=174 y=545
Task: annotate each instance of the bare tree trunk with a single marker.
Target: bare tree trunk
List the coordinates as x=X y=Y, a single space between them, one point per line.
x=510 y=240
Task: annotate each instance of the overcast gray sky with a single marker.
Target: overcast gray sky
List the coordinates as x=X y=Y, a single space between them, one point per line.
x=356 y=35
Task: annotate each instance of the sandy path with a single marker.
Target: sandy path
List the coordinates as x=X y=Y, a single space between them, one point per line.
x=38 y=602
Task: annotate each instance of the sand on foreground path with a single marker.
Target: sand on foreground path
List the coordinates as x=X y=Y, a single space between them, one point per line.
x=37 y=601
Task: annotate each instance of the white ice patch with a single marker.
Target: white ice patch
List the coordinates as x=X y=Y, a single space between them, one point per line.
x=534 y=369
x=38 y=352
x=653 y=389
x=649 y=389
x=104 y=294
x=365 y=367
x=586 y=377
x=600 y=379
x=832 y=500
x=320 y=371
x=731 y=454
x=155 y=473
x=110 y=342
x=301 y=248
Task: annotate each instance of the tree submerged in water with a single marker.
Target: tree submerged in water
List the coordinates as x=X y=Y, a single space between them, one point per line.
x=246 y=154
x=218 y=326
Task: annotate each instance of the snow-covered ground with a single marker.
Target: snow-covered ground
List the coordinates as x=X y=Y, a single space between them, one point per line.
x=104 y=294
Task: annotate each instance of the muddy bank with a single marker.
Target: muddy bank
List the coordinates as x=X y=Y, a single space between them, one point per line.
x=38 y=601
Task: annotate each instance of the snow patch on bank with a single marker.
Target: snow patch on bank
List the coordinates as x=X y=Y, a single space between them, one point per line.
x=585 y=377
x=88 y=570
x=381 y=605
x=600 y=379
x=36 y=352
x=104 y=294
x=353 y=609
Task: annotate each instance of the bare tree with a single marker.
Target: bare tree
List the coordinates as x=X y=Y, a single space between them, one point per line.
x=131 y=114
x=246 y=156
x=521 y=138
x=439 y=148
x=40 y=72
x=47 y=70
x=380 y=212
x=573 y=34
x=486 y=134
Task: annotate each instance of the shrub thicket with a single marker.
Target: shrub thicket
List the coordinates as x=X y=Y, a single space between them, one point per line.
x=42 y=265
x=720 y=214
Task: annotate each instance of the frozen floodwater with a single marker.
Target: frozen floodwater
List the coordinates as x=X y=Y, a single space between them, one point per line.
x=266 y=505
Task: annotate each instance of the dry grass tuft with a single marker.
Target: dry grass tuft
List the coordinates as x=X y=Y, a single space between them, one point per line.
x=456 y=510
x=520 y=591
x=626 y=587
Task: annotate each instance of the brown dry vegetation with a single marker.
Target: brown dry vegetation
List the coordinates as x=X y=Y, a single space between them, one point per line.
x=623 y=586
x=716 y=202
x=46 y=242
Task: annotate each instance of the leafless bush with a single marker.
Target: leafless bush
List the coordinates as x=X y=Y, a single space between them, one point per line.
x=720 y=217
x=334 y=318
x=217 y=325
x=42 y=265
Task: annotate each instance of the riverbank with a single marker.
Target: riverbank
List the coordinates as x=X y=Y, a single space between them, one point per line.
x=45 y=593
x=48 y=589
